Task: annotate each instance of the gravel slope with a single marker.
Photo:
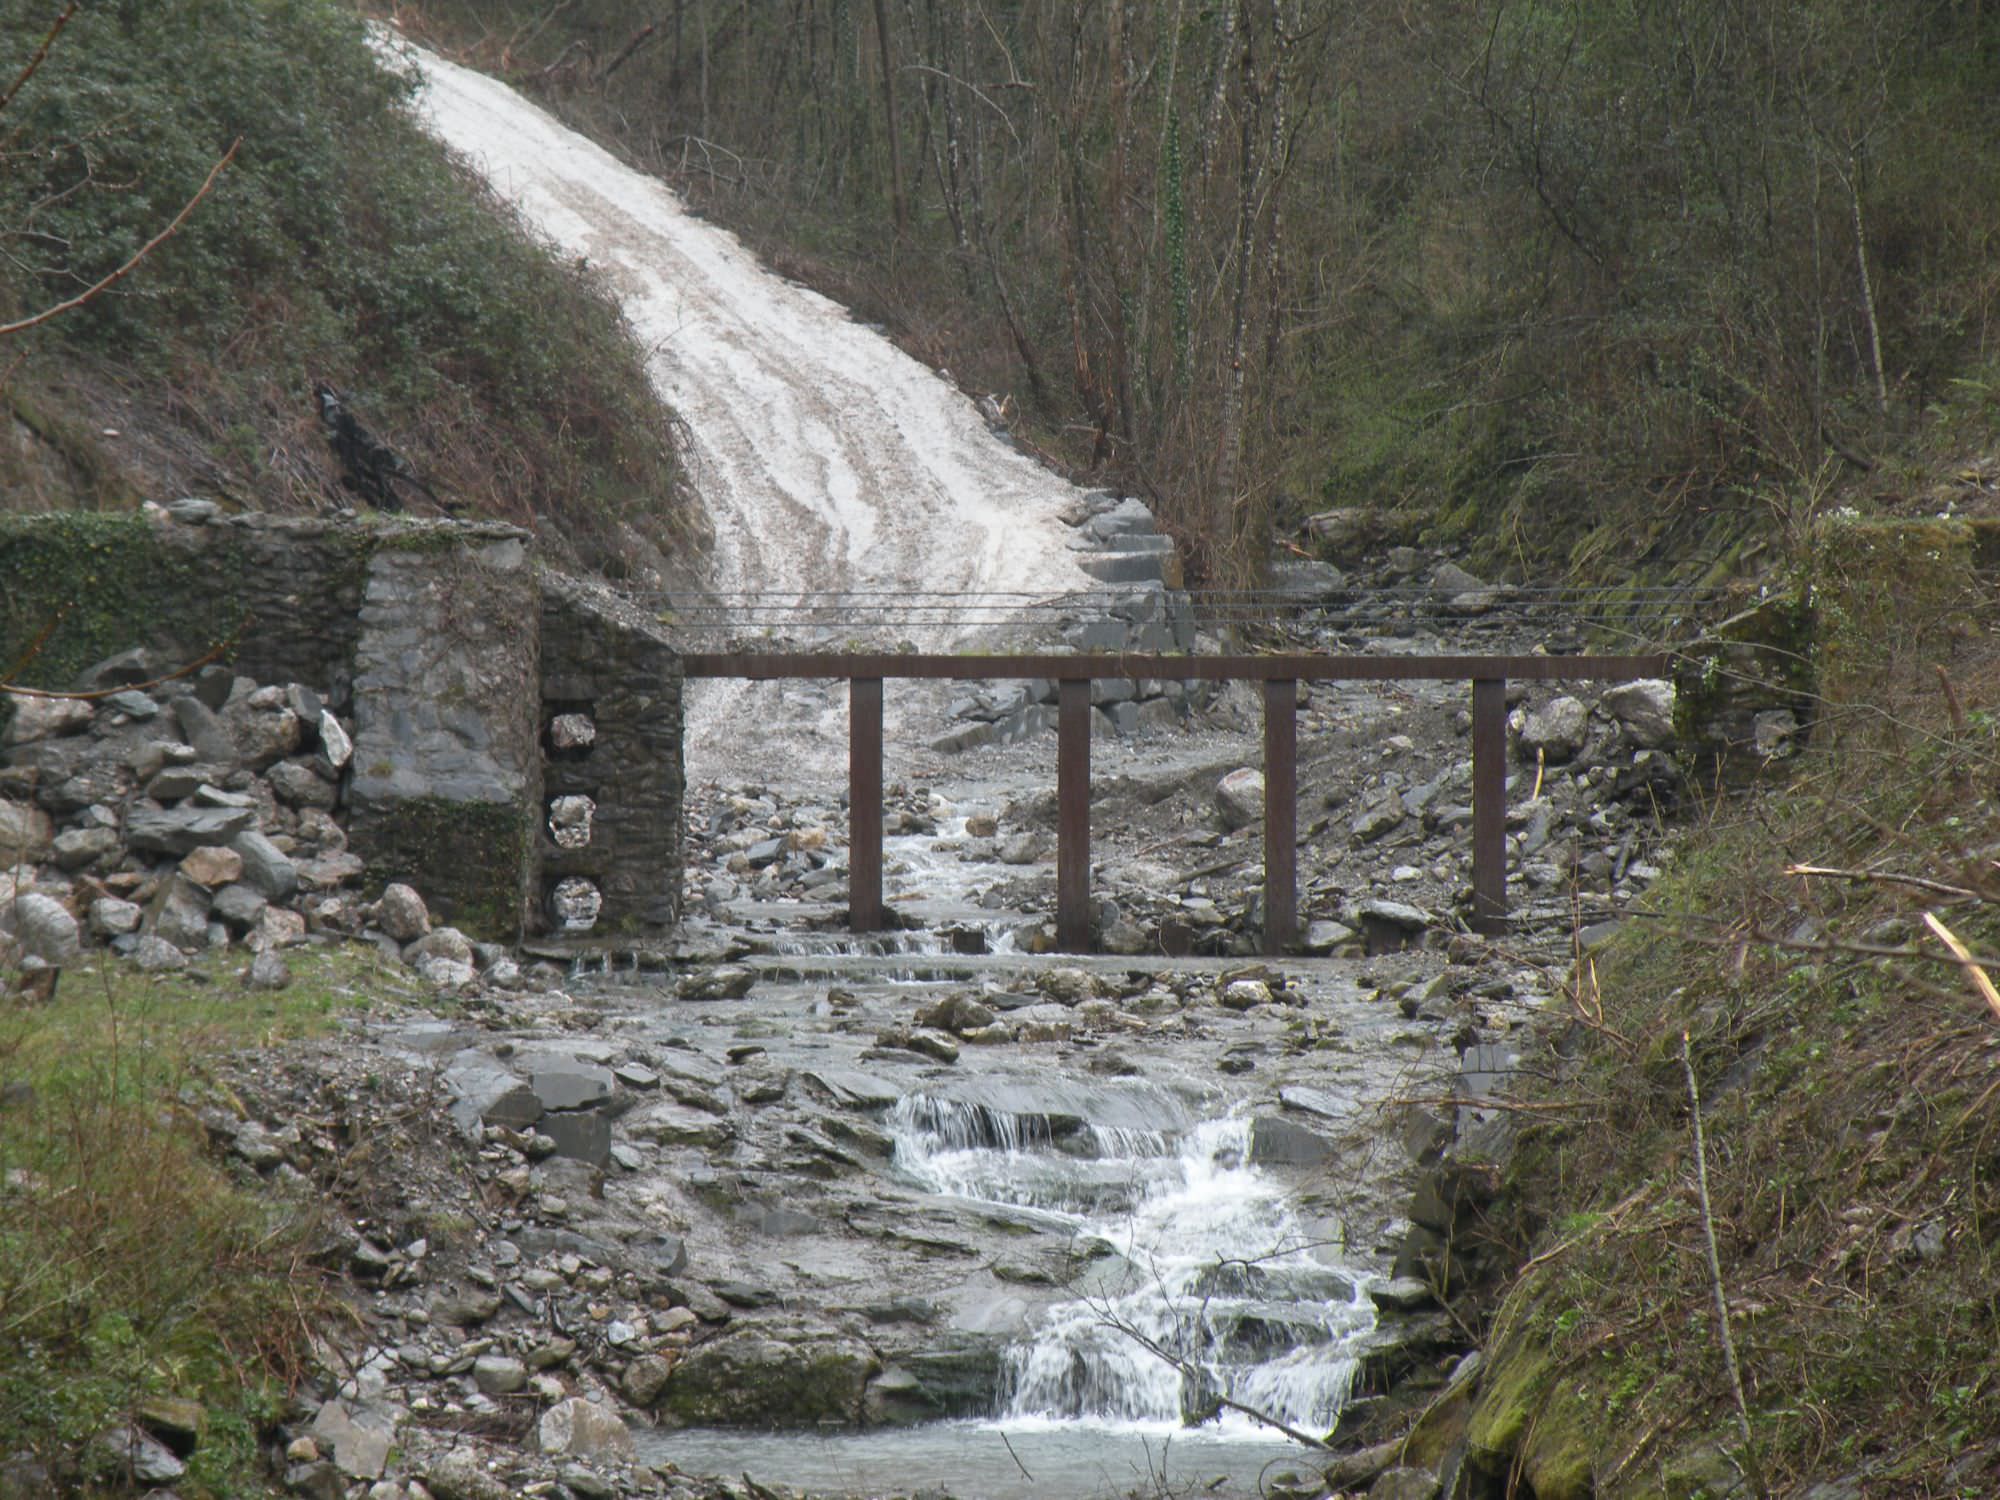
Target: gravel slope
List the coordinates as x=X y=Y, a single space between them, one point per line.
x=827 y=458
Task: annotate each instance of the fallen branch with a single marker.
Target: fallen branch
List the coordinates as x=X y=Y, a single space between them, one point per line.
x=1890 y=877
x=214 y=653
x=1966 y=961
x=1187 y=1368
x=639 y=39
x=138 y=255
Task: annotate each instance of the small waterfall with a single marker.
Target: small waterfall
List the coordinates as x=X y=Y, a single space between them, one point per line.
x=1204 y=1283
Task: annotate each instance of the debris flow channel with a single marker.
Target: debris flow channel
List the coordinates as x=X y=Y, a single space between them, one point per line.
x=830 y=461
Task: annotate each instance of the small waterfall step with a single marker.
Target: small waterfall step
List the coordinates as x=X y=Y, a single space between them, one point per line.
x=1202 y=1285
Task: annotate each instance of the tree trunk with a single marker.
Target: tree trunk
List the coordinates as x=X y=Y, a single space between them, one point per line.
x=901 y=209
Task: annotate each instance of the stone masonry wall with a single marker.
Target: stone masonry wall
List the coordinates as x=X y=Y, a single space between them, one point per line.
x=447 y=768
x=611 y=691
x=449 y=648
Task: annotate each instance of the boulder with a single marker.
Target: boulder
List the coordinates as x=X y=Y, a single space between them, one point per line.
x=46 y=718
x=499 y=1374
x=1645 y=710
x=1239 y=797
x=299 y=785
x=358 y=1451
x=440 y=942
x=26 y=833
x=336 y=749
x=755 y=1379
x=110 y=917
x=401 y=914
x=460 y=1476
x=264 y=734
x=268 y=971
x=199 y=726
x=155 y=955
x=43 y=927
x=1557 y=730
x=266 y=868
x=80 y=848
x=582 y=1429
x=212 y=866
x=180 y=915
x=239 y=906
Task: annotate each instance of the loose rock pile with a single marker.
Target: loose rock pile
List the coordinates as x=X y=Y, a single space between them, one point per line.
x=193 y=814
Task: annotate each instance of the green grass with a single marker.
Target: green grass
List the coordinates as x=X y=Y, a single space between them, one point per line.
x=134 y=1264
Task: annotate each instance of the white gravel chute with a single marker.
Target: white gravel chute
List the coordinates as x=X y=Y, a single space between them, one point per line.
x=826 y=457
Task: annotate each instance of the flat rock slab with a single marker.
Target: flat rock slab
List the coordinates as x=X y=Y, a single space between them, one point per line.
x=182 y=830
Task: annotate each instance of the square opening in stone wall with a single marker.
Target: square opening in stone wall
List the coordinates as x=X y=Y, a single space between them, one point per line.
x=570 y=730
x=573 y=904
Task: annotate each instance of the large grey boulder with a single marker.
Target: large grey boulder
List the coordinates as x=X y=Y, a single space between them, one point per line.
x=46 y=718
x=582 y=1429
x=266 y=868
x=42 y=927
x=401 y=913
x=25 y=833
x=199 y=726
x=1645 y=709
x=754 y=1379
x=180 y=914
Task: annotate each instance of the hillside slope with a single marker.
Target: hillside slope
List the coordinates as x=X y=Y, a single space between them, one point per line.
x=339 y=244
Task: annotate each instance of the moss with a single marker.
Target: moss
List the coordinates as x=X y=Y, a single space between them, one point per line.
x=103 y=583
x=1531 y=1417
x=468 y=858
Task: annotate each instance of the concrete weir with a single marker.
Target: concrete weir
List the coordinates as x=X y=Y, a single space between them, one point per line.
x=517 y=751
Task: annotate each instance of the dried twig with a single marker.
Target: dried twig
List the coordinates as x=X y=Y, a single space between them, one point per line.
x=1889 y=877
x=1966 y=961
x=138 y=255
x=1753 y=1470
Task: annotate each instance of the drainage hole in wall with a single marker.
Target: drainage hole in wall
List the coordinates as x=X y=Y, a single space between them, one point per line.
x=574 y=904
x=569 y=820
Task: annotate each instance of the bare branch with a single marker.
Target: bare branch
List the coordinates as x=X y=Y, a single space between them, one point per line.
x=140 y=254
x=41 y=55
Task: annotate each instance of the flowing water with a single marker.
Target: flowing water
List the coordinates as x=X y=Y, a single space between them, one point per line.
x=1199 y=1292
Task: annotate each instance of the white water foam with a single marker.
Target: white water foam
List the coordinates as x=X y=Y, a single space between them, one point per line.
x=1206 y=1284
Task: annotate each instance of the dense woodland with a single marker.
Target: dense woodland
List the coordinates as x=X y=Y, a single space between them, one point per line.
x=1569 y=278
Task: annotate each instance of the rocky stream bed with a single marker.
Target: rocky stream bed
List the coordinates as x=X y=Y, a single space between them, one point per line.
x=949 y=1212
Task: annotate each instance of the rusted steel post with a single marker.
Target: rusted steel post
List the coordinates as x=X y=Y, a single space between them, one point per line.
x=864 y=804
x=1281 y=814
x=1073 y=816
x=1489 y=804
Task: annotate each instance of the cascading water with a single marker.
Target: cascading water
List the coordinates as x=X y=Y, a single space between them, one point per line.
x=1204 y=1281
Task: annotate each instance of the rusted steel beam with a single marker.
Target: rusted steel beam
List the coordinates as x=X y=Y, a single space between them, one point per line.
x=1073 y=816
x=1281 y=814
x=864 y=804
x=1489 y=804
x=764 y=666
